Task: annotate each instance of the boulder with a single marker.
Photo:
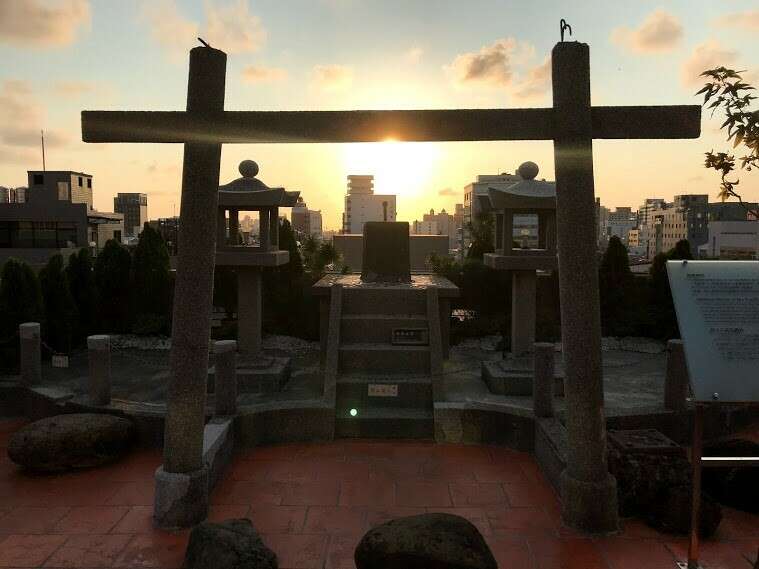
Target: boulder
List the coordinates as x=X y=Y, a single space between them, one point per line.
x=734 y=486
x=232 y=544
x=426 y=541
x=656 y=487
x=69 y=442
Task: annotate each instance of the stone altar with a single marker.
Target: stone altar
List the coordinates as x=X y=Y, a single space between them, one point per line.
x=256 y=373
x=514 y=374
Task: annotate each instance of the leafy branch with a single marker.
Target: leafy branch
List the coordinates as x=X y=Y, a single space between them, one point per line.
x=726 y=90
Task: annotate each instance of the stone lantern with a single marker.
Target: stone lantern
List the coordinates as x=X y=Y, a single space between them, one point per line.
x=249 y=194
x=523 y=255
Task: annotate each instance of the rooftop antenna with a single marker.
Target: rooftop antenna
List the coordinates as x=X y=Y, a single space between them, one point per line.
x=562 y=26
x=42 y=135
x=205 y=43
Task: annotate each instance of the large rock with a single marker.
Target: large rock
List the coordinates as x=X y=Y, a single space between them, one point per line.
x=736 y=486
x=427 y=541
x=232 y=544
x=68 y=442
x=656 y=487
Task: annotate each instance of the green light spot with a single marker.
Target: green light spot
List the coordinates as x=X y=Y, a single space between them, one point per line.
x=354 y=412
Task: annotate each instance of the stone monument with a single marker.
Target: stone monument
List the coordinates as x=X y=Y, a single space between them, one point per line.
x=384 y=338
x=255 y=372
x=513 y=375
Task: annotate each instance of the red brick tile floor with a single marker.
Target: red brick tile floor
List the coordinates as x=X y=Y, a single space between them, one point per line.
x=313 y=502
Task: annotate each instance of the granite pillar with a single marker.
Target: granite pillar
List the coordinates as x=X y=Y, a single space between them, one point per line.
x=249 y=310
x=676 y=381
x=542 y=388
x=523 y=300
x=178 y=499
x=225 y=382
x=30 y=341
x=99 y=376
x=588 y=491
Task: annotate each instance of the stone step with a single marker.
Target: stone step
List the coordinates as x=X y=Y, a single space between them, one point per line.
x=385 y=423
x=384 y=358
x=384 y=300
x=377 y=328
x=356 y=391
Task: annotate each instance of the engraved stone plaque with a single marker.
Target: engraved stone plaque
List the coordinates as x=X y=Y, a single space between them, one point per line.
x=717 y=305
x=383 y=390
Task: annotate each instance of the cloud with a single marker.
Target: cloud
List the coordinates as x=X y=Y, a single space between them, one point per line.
x=168 y=27
x=332 y=78
x=447 y=192
x=232 y=28
x=748 y=20
x=707 y=55
x=40 y=24
x=659 y=32
x=535 y=84
x=263 y=74
x=490 y=66
x=74 y=88
x=413 y=55
x=21 y=119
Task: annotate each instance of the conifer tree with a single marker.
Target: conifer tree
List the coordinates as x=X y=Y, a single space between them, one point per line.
x=61 y=319
x=112 y=277
x=20 y=301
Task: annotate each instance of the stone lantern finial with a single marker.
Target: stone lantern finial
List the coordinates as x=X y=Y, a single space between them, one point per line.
x=248 y=169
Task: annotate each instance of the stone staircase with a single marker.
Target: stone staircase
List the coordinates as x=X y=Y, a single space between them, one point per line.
x=387 y=386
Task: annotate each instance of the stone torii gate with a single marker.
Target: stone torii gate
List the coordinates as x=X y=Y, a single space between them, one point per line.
x=588 y=491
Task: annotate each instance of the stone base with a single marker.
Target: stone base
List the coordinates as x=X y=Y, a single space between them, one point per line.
x=514 y=376
x=590 y=507
x=181 y=499
x=257 y=374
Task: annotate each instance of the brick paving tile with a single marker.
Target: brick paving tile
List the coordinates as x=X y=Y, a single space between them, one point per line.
x=335 y=519
x=133 y=494
x=483 y=494
x=91 y=519
x=377 y=515
x=139 y=519
x=278 y=519
x=221 y=513
x=88 y=551
x=478 y=517
x=31 y=519
x=298 y=551
x=154 y=551
x=531 y=493
x=712 y=555
x=620 y=553
x=28 y=550
x=247 y=470
x=273 y=452
x=340 y=551
x=229 y=492
x=367 y=493
x=523 y=520
x=291 y=471
x=328 y=469
x=423 y=494
x=510 y=551
x=572 y=553
x=310 y=493
x=738 y=525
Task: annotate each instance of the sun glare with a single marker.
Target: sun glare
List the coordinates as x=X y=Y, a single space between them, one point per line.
x=401 y=168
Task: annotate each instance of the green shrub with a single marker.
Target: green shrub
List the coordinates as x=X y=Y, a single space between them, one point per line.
x=61 y=318
x=20 y=301
x=112 y=277
x=151 y=280
x=80 y=275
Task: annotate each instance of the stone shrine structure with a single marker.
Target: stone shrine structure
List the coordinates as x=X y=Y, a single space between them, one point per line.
x=588 y=491
x=384 y=336
x=255 y=372
x=513 y=375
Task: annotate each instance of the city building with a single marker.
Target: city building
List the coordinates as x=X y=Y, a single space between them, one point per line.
x=471 y=207
x=426 y=227
x=618 y=223
x=362 y=205
x=306 y=221
x=55 y=217
x=731 y=240
x=168 y=228
x=12 y=195
x=446 y=225
x=134 y=206
x=684 y=219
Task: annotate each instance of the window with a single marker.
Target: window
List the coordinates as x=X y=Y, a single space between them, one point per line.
x=38 y=179
x=63 y=191
x=89 y=182
x=80 y=181
x=117 y=235
x=66 y=234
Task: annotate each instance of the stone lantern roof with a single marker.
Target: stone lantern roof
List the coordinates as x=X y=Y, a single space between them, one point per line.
x=250 y=192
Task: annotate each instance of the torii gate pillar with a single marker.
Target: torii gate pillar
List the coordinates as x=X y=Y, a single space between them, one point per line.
x=588 y=491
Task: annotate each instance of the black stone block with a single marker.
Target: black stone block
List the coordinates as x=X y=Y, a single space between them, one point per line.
x=386 y=252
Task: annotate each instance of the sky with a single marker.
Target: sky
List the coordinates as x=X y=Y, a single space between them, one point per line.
x=59 y=57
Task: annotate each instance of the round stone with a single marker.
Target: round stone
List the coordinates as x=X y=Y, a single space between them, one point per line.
x=248 y=169
x=528 y=170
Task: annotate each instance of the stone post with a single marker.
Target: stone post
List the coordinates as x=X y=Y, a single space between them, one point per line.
x=31 y=356
x=542 y=388
x=676 y=381
x=588 y=491
x=99 y=361
x=523 y=299
x=225 y=384
x=264 y=232
x=249 y=310
x=181 y=495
